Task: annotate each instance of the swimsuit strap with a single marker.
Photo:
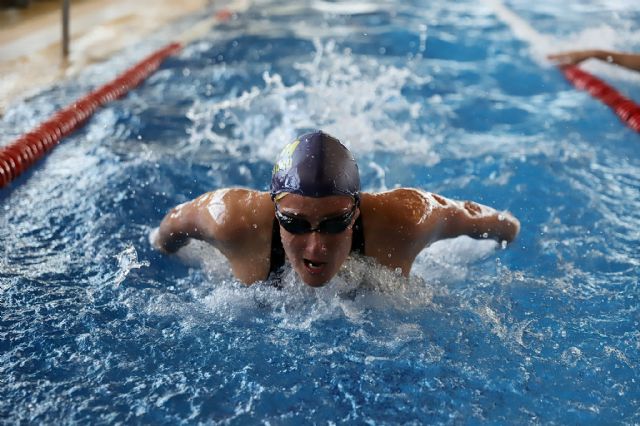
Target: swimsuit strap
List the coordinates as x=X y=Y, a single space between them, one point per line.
x=357 y=240
x=277 y=250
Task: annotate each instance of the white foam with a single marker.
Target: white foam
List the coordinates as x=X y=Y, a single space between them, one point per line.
x=449 y=260
x=203 y=255
x=345 y=8
x=356 y=97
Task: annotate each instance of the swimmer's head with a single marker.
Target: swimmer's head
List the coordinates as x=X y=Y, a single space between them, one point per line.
x=315 y=165
x=316 y=188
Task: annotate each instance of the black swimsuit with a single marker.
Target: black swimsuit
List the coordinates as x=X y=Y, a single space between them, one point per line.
x=277 y=251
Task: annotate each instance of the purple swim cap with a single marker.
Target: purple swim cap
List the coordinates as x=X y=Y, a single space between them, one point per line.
x=316 y=165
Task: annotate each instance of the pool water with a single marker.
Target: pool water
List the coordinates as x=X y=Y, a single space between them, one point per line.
x=97 y=327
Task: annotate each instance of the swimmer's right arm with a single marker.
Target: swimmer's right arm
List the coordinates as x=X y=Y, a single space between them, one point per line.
x=446 y=218
x=627 y=60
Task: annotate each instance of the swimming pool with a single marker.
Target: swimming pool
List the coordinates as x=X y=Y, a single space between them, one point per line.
x=96 y=327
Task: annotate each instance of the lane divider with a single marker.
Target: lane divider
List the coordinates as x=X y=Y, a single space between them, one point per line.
x=627 y=110
x=19 y=155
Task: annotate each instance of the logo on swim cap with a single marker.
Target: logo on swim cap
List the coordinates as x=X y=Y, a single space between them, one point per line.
x=316 y=165
x=285 y=159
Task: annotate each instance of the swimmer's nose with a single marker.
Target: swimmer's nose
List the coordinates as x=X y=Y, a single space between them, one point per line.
x=316 y=244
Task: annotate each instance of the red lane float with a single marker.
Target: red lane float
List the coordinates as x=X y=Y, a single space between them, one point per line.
x=20 y=154
x=224 y=15
x=627 y=110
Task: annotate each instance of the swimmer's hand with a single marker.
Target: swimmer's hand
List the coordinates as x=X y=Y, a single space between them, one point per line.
x=510 y=227
x=154 y=240
x=163 y=243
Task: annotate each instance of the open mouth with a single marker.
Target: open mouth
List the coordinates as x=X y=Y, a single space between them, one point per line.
x=314 y=267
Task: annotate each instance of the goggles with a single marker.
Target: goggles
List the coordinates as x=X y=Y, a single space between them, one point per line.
x=334 y=225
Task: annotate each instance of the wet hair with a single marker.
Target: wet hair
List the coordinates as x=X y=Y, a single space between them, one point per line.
x=316 y=165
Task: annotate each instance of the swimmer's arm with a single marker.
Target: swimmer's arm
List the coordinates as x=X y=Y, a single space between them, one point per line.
x=231 y=220
x=627 y=60
x=476 y=221
x=178 y=226
x=444 y=218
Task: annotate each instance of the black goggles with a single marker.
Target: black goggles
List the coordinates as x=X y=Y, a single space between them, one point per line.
x=334 y=225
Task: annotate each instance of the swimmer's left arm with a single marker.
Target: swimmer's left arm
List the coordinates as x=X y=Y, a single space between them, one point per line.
x=477 y=221
x=446 y=218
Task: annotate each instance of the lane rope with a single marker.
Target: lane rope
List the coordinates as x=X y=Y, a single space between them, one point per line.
x=627 y=110
x=23 y=152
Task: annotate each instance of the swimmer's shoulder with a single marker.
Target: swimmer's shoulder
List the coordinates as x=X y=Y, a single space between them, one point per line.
x=404 y=218
x=234 y=200
x=236 y=213
x=393 y=223
x=400 y=207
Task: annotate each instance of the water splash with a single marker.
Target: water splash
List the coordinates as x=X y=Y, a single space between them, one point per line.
x=127 y=261
x=358 y=97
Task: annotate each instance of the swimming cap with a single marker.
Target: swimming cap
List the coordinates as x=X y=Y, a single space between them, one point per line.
x=316 y=165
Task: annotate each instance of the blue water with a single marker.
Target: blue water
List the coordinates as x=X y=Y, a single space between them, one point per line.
x=96 y=327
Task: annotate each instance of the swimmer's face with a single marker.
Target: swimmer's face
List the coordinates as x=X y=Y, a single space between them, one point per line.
x=317 y=256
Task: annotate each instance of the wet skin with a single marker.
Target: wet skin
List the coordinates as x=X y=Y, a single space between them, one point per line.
x=316 y=257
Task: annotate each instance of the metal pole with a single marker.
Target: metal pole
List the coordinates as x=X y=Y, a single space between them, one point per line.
x=65 y=28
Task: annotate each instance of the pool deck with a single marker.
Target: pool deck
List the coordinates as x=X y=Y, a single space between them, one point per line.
x=31 y=39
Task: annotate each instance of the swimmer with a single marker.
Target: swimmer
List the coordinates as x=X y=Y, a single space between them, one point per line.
x=315 y=216
x=626 y=60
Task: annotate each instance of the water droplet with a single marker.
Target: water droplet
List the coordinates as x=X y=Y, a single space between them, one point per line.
x=389 y=255
x=255 y=226
x=485 y=235
x=500 y=217
x=503 y=244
